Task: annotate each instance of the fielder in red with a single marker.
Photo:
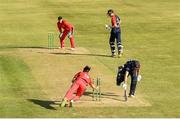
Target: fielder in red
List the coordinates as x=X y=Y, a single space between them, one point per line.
x=65 y=29
x=79 y=83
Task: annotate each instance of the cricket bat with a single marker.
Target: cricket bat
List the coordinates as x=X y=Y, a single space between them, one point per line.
x=125 y=95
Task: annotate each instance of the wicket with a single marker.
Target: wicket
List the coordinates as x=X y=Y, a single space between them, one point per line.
x=96 y=95
x=50 y=40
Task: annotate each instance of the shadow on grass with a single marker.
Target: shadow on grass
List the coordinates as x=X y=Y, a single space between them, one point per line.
x=35 y=47
x=44 y=103
x=76 y=54
x=106 y=95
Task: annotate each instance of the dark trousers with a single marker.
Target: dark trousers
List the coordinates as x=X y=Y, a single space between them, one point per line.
x=115 y=34
x=133 y=85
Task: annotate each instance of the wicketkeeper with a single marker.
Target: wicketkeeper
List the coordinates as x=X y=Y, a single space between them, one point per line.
x=79 y=83
x=65 y=29
x=115 y=33
x=130 y=68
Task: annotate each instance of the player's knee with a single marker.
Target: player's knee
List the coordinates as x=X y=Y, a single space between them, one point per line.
x=111 y=44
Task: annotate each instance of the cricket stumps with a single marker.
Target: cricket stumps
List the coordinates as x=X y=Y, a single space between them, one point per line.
x=50 y=40
x=96 y=94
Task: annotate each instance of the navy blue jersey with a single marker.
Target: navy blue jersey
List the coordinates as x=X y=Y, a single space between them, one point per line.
x=130 y=66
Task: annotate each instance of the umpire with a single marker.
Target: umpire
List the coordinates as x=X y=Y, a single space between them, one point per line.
x=115 y=33
x=131 y=68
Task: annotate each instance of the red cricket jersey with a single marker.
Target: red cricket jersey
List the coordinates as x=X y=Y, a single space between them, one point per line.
x=113 y=20
x=64 y=25
x=83 y=76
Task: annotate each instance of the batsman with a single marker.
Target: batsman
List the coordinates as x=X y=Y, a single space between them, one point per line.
x=130 y=68
x=79 y=83
x=115 y=33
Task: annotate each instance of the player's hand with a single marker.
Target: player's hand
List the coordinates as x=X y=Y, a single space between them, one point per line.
x=120 y=68
x=73 y=80
x=124 y=86
x=139 y=78
x=96 y=88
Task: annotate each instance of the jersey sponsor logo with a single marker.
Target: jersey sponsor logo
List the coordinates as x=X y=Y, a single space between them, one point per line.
x=86 y=76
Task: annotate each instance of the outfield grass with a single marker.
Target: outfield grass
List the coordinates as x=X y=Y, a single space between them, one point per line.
x=150 y=33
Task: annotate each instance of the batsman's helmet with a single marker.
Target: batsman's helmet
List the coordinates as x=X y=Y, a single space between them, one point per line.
x=137 y=65
x=59 y=18
x=86 y=69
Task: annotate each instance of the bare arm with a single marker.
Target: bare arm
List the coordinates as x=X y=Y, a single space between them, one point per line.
x=74 y=78
x=115 y=26
x=126 y=76
x=93 y=86
x=138 y=72
x=59 y=28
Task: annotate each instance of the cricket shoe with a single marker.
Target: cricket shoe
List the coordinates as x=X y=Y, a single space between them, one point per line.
x=63 y=104
x=71 y=103
x=120 y=54
x=113 y=55
x=60 y=47
x=66 y=105
x=73 y=49
x=131 y=96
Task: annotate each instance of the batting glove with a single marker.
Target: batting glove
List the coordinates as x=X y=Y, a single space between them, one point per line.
x=139 y=77
x=124 y=86
x=107 y=26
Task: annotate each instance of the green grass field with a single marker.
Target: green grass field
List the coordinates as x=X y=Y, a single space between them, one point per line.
x=32 y=78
